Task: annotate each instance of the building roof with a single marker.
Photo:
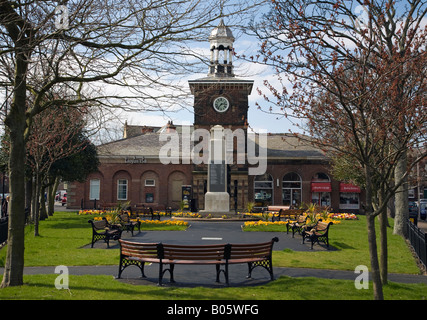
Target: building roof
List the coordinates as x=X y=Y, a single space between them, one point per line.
x=148 y=145
x=288 y=146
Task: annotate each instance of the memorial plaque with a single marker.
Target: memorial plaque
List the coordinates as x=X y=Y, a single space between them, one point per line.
x=217 y=177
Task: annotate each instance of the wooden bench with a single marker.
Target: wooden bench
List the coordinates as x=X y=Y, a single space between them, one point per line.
x=108 y=206
x=168 y=211
x=128 y=224
x=297 y=225
x=276 y=211
x=102 y=230
x=146 y=211
x=320 y=232
x=258 y=254
x=286 y=214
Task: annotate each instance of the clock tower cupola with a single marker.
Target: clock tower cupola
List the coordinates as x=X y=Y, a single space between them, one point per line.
x=221 y=98
x=221 y=46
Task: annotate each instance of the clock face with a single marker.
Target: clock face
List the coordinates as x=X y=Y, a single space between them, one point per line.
x=221 y=104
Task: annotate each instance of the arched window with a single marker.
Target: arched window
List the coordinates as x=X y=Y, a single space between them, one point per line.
x=291 y=190
x=263 y=188
x=320 y=177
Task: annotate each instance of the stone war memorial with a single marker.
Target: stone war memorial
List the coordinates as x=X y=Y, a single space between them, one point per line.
x=217 y=199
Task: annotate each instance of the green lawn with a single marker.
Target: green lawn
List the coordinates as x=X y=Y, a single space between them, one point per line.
x=64 y=234
x=349 y=248
x=62 y=238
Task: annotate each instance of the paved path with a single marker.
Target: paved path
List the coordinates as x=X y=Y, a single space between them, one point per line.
x=211 y=233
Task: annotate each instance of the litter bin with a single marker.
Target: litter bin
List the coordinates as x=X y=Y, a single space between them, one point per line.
x=193 y=205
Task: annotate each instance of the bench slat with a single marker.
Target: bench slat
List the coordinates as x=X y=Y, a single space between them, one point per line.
x=177 y=246
x=195 y=261
x=191 y=256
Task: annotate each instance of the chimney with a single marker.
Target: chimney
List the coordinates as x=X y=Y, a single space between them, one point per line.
x=125 y=130
x=170 y=127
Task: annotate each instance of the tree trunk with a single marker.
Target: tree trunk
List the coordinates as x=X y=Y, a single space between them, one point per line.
x=383 y=247
x=372 y=239
x=51 y=196
x=28 y=197
x=16 y=122
x=33 y=199
x=401 y=198
x=373 y=254
x=37 y=205
x=43 y=212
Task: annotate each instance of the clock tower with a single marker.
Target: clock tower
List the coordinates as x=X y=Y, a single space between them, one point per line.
x=221 y=98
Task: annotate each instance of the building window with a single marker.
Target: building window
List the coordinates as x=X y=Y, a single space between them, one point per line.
x=150 y=182
x=122 y=189
x=94 y=188
x=291 y=190
x=322 y=199
x=349 y=196
x=149 y=198
x=263 y=187
x=320 y=177
x=349 y=201
x=321 y=190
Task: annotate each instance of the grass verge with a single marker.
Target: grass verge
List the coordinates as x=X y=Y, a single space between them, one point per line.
x=41 y=287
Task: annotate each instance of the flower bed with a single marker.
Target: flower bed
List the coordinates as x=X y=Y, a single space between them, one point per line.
x=186 y=214
x=161 y=213
x=263 y=225
x=164 y=223
x=343 y=216
x=91 y=212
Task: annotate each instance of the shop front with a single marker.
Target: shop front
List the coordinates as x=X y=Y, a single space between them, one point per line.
x=349 y=196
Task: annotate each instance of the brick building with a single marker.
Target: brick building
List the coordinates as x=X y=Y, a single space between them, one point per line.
x=131 y=168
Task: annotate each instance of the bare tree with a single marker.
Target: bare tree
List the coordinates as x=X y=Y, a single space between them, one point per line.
x=52 y=138
x=130 y=47
x=355 y=72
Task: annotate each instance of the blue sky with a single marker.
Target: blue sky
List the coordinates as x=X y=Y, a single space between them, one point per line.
x=257 y=119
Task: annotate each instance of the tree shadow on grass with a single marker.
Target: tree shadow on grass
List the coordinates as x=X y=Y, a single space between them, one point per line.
x=341 y=246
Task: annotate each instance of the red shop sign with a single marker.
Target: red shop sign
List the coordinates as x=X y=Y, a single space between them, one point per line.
x=349 y=188
x=321 y=187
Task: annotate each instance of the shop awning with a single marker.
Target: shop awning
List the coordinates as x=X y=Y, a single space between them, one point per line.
x=321 y=187
x=349 y=188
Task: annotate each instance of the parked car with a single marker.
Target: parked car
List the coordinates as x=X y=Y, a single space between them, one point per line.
x=64 y=199
x=423 y=210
